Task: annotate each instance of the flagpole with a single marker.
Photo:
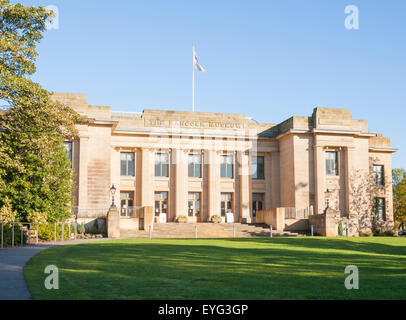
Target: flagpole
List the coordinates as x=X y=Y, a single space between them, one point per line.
x=193 y=79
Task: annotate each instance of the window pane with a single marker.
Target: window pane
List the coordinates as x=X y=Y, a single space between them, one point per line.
x=223 y=170
x=198 y=171
x=191 y=170
x=165 y=170
x=331 y=163
x=230 y=171
x=157 y=170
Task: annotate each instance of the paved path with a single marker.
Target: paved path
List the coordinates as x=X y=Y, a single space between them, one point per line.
x=12 y=262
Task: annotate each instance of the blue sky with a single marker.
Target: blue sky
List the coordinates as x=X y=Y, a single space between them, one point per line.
x=267 y=59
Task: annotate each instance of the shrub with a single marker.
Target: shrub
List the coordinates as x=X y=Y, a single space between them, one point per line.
x=182 y=219
x=82 y=228
x=381 y=233
x=215 y=218
x=6 y=212
x=47 y=231
x=8 y=235
x=37 y=217
x=340 y=229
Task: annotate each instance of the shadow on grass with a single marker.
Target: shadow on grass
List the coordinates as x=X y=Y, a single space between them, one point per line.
x=221 y=269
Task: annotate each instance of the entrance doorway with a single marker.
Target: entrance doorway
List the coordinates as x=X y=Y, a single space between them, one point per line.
x=257 y=203
x=227 y=205
x=126 y=203
x=194 y=205
x=161 y=206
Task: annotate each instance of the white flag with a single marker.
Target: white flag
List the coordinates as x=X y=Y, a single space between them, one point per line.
x=197 y=64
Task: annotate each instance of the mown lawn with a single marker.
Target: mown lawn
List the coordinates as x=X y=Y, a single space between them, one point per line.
x=249 y=268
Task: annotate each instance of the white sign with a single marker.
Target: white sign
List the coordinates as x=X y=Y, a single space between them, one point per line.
x=162 y=218
x=230 y=217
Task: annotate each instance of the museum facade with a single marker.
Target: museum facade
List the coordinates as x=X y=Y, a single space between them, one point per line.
x=198 y=165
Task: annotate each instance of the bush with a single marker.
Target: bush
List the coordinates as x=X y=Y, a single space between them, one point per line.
x=366 y=234
x=215 y=218
x=8 y=235
x=47 y=231
x=380 y=233
x=6 y=212
x=37 y=217
x=340 y=229
x=182 y=219
x=82 y=228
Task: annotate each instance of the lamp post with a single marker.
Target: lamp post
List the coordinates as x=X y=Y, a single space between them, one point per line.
x=113 y=192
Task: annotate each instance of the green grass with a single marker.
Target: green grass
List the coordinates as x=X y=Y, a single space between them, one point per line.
x=249 y=268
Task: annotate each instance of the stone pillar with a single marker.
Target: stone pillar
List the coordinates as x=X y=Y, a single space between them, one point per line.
x=113 y=223
x=245 y=187
x=268 y=182
x=213 y=186
x=319 y=178
x=275 y=180
x=181 y=185
x=147 y=177
x=83 y=174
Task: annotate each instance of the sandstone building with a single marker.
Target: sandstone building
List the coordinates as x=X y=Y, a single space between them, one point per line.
x=197 y=165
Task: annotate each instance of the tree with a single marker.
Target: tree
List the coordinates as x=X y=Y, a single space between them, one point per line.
x=35 y=172
x=399 y=196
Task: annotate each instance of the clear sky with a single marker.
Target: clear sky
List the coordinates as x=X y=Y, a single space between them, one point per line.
x=267 y=59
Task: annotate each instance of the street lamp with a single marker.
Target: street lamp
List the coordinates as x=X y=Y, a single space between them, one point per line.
x=113 y=192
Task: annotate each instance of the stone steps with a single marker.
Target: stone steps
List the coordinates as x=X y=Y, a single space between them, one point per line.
x=206 y=230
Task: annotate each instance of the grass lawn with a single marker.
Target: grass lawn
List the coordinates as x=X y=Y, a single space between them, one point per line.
x=246 y=268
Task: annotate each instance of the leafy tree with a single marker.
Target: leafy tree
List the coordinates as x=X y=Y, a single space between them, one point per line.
x=35 y=171
x=399 y=195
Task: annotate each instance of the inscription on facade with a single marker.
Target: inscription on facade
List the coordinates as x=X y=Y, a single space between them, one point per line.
x=192 y=124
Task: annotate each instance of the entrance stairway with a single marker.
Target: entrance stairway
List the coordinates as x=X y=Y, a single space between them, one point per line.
x=206 y=230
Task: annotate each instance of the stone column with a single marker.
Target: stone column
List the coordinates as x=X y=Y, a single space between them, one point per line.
x=268 y=182
x=181 y=182
x=147 y=177
x=275 y=180
x=83 y=174
x=213 y=186
x=319 y=178
x=245 y=187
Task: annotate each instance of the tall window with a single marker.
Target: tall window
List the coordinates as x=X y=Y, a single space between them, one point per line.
x=379 y=177
x=332 y=163
x=127 y=203
x=161 y=165
x=194 y=204
x=68 y=146
x=227 y=167
x=379 y=208
x=195 y=166
x=257 y=168
x=127 y=163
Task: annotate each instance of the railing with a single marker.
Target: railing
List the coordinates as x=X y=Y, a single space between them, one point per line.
x=296 y=213
x=26 y=231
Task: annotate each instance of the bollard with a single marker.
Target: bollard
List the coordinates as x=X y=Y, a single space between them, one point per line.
x=37 y=233
x=62 y=232
x=12 y=238
x=76 y=229
x=346 y=232
x=2 y=233
x=70 y=237
x=312 y=230
x=234 y=230
x=55 y=231
x=150 y=232
x=195 y=231
x=270 y=231
x=22 y=236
